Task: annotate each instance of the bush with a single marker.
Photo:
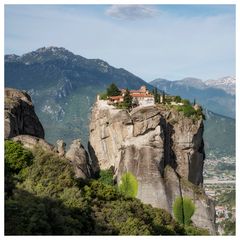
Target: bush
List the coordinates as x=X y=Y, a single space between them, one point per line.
x=188 y=111
x=183 y=209
x=103 y=96
x=106 y=177
x=193 y=231
x=186 y=102
x=16 y=157
x=49 y=175
x=127 y=101
x=128 y=185
x=177 y=99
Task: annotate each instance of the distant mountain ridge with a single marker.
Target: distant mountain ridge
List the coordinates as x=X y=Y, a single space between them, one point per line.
x=213 y=95
x=228 y=84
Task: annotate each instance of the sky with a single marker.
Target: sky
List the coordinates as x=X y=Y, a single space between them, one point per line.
x=151 y=41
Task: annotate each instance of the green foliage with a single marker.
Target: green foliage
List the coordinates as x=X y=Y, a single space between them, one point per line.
x=113 y=90
x=26 y=214
x=163 y=97
x=103 y=96
x=16 y=157
x=106 y=177
x=49 y=175
x=193 y=231
x=101 y=191
x=157 y=95
x=188 y=111
x=129 y=185
x=183 y=209
x=229 y=227
x=177 y=99
x=127 y=101
x=17 y=161
x=112 y=214
x=186 y=102
x=49 y=201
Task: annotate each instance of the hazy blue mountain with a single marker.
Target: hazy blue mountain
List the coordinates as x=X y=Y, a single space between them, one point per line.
x=219 y=134
x=228 y=84
x=212 y=97
x=64 y=86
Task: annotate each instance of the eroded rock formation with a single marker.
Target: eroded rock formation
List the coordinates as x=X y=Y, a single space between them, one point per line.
x=79 y=159
x=163 y=149
x=31 y=142
x=20 y=117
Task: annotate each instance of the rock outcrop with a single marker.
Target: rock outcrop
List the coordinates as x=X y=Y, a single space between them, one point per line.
x=61 y=148
x=20 y=117
x=161 y=147
x=79 y=159
x=31 y=142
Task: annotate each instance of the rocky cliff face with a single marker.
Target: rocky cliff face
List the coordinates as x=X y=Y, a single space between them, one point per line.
x=20 y=117
x=79 y=159
x=163 y=149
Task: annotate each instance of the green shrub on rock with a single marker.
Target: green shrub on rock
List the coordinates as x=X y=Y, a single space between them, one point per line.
x=183 y=209
x=128 y=185
x=16 y=156
x=106 y=177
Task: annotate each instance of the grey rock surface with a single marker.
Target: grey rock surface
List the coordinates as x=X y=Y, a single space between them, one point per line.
x=19 y=115
x=31 y=142
x=79 y=159
x=61 y=148
x=162 y=148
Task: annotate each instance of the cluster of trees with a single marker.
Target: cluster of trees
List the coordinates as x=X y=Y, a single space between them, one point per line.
x=113 y=90
x=188 y=109
x=157 y=96
x=48 y=200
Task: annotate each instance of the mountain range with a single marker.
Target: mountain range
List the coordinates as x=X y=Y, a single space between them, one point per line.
x=215 y=95
x=63 y=87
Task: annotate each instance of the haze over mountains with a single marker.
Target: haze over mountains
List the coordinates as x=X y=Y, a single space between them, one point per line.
x=216 y=95
x=64 y=86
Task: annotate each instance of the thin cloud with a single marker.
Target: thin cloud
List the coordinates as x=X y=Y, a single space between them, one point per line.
x=131 y=12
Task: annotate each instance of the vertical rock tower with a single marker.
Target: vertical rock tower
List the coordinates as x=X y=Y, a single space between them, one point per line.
x=162 y=148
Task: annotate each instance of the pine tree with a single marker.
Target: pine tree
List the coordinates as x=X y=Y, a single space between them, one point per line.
x=163 y=97
x=113 y=90
x=155 y=94
x=127 y=99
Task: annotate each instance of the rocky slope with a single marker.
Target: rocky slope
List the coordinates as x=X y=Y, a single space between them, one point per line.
x=163 y=149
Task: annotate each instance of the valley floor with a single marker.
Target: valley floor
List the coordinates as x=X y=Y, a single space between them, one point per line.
x=219 y=184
